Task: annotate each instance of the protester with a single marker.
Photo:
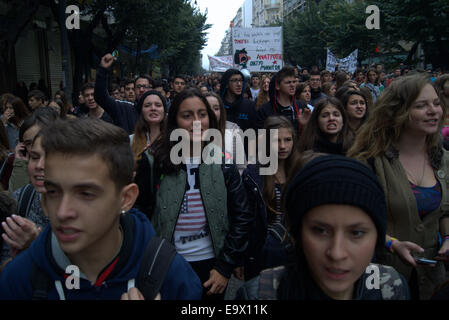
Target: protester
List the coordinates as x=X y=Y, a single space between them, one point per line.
x=123 y=113
x=36 y=121
x=303 y=94
x=401 y=142
x=283 y=101
x=267 y=246
x=89 y=192
x=22 y=228
x=238 y=110
x=329 y=89
x=255 y=86
x=232 y=140
x=373 y=84
x=68 y=107
x=442 y=87
x=315 y=88
x=215 y=241
x=337 y=216
x=327 y=130
x=13 y=115
x=356 y=107
x=264 y=95
x=36 y=99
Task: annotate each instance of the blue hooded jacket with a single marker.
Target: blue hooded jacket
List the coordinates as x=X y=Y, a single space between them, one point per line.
x=181 y=281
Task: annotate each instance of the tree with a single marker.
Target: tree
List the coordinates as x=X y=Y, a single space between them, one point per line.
x=423 y=22
x=16 y=15
x=303 y=43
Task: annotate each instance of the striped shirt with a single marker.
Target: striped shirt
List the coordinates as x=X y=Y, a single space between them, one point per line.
x=192 y=235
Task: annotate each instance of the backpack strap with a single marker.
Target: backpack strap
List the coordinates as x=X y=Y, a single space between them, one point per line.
x=154 y=267
x=279 y=231
x=25 y=199
x=40 y=283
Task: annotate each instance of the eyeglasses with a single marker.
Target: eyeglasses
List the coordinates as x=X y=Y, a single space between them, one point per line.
x=236 y=80
x=141 y=86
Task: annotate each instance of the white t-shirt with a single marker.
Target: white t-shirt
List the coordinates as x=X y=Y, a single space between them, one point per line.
x=254 y=93
x=192 y=236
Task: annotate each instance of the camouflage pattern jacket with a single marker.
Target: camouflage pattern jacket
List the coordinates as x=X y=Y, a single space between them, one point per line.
x=379 y=282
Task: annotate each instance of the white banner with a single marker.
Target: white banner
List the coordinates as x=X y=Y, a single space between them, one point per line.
x=258 y=49
x=348 y=63
x=220 y=64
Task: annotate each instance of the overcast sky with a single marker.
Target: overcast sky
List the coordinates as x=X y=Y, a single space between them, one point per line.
x=220 y=14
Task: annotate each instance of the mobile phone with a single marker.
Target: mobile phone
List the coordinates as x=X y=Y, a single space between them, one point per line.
x=425 y=261
x=115 y=54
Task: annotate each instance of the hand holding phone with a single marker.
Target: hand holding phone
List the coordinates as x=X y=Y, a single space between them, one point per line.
x=21 y=151
x=424 y=261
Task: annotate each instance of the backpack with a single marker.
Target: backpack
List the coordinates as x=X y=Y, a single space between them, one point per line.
x=25 y=200
x=156 y=261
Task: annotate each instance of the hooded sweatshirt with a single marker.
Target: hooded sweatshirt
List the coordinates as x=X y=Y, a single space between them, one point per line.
x=241 y=111
x=273 y=107
x=181 y=282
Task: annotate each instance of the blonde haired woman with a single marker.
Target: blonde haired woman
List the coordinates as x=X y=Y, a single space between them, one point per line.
x=401 y=141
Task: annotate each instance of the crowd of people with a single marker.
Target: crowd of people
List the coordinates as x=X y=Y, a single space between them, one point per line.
x=359 y=196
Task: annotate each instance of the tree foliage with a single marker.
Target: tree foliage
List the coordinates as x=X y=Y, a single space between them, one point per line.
x=340 y=26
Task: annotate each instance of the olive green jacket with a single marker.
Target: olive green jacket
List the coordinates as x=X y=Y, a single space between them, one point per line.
x=226 y=208
x=19 y=175
x=404 y=223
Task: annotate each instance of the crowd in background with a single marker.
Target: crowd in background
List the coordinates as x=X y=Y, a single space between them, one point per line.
x=361 y=181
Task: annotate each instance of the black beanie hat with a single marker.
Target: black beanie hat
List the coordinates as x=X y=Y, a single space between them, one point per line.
x=146 y=94
x=335 y=180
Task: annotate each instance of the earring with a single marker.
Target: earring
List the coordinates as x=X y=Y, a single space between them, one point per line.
x=123 y=212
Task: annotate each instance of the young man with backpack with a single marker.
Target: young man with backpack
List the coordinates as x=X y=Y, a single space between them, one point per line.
x=96 y=246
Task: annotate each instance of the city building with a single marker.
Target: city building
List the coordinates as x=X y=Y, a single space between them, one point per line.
x=291 y=6
x=267 y=12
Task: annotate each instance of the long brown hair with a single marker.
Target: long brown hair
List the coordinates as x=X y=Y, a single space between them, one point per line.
x=222 y=121
x=263 y=96
x=164 y=144
x=389 y=118
x=312 y=132
x=269 y=193
x=139 y=143
x=20 y=111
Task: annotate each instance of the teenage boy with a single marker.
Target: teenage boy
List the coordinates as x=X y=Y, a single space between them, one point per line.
x=95 y=110
x=238 y=109
x=255 y=86
x=315 y=88
x=282 y=101
x=36 y=99
x=94 y=245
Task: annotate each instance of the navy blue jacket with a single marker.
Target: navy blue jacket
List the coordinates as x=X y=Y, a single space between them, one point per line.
x=181 y=281
x=273 y=108
x=124 y=113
